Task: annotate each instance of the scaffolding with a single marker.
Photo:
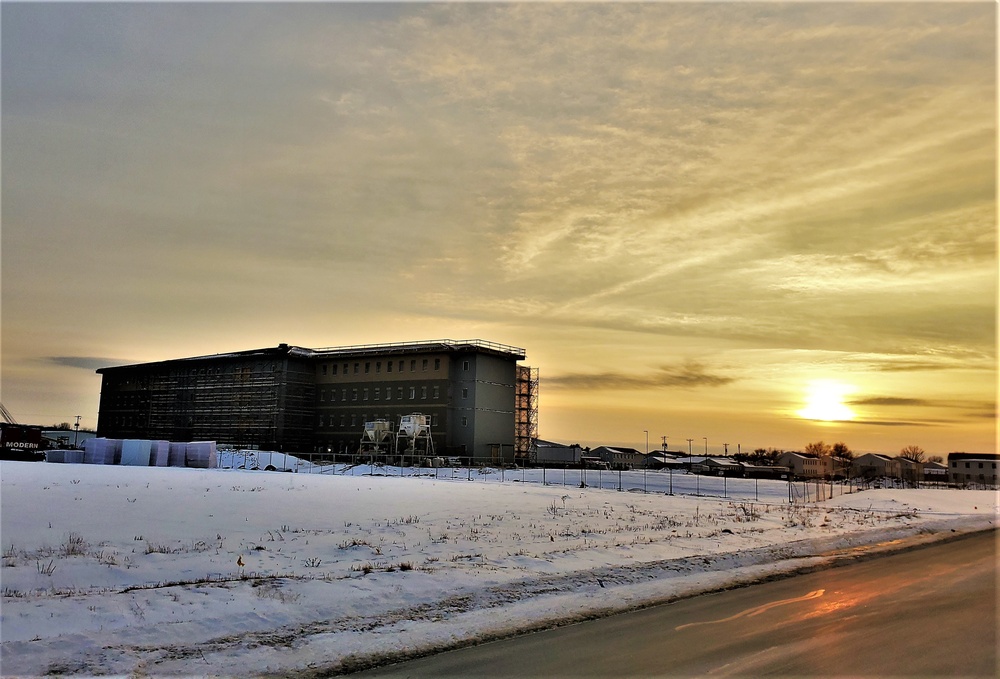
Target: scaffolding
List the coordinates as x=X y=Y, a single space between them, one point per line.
x=526 y=415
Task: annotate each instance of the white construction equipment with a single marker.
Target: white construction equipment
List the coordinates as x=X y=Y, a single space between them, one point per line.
x=376 y=439
x=413 y=437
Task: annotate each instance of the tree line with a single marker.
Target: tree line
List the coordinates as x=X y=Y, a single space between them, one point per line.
x=839 y=451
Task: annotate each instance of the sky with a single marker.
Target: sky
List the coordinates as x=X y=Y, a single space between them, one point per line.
x=747 y=225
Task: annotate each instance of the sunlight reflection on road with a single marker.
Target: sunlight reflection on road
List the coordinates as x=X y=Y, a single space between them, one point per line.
x=757 y=610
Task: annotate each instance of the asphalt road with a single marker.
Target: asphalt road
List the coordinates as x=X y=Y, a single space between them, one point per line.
x=925 y=612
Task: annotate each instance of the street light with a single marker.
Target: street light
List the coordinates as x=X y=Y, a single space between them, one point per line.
x=706 y=445
x=76 y=436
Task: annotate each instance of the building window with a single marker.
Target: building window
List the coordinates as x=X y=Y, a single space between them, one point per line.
x=437 y=393
x=378 y=366
x=324 y=368
x=423 y=392
x=345 y=368
x=354 y=420
x=333 y=370
x=343 y=420
x=437 y=363
x=322 y=395
x=413 y=365
x=378 y=394
x=400 y=365
x=343 y=394
x=465 y=365
x=364 y=396
x=388 y=366
x=388 y=393
x=423 y=365
x=465 y=393
x=354 y=394
x=465 y=421
x=399 y=393
x=368 y=367
x=413 y=393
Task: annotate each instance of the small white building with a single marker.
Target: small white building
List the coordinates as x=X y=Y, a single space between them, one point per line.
x=552 y=453
x=973 y=469
x=620 y=458
x=875 y=465
x=806 y=465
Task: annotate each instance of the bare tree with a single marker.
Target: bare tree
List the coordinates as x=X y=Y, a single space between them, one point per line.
x=915 y=453
x=936 y=458
x=819 y=448
x=840 y=450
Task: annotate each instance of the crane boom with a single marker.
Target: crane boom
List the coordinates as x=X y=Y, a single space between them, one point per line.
x=5 y=414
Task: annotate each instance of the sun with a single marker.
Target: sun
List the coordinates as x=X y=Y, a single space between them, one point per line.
x=825 y=401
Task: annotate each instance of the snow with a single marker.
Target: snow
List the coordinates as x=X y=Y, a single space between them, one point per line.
x=120 y=569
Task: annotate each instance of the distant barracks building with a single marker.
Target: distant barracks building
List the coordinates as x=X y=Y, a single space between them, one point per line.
x=479 y=402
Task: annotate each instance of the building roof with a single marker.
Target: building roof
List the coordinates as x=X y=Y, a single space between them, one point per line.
x=973 y=456
x=621 y=449
x=541 y=443
x=721 y=462
x=474 y=345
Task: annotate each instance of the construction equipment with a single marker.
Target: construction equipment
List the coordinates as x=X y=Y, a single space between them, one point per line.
x=5 y=414
x=413 y=437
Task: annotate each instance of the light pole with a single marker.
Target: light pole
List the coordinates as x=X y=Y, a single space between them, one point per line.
x=645 y=461
x=725 y=447
x=76 y=436
x=706 y=445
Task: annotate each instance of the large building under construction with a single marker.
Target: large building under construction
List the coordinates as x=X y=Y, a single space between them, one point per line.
x=474 y=399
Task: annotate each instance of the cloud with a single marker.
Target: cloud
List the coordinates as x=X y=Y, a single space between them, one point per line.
x=686 y=376
x=890 y=401
x=90 y=363
x=894 y=423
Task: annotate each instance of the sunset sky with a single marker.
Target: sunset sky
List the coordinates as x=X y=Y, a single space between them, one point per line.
x=720 y=221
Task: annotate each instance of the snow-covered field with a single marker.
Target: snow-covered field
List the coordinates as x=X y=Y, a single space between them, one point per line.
x=172 y=571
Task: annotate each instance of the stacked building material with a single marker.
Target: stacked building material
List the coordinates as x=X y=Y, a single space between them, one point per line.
x=159 y=456
x=64 y=456
x=102 y=451
x=201 y=455
x=136 y=453
x=177 y=454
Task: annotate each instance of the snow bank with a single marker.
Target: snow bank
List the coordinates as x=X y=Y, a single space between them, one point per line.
x=113 y=569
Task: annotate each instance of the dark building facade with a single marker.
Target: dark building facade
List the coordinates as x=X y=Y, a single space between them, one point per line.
x=294 y=399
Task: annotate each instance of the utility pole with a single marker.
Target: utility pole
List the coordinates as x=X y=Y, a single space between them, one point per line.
x=664 y=443
x=726 y=448
x=76 y=436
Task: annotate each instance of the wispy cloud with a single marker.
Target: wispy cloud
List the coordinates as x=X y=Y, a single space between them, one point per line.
x=84 y=362
x=687 y=376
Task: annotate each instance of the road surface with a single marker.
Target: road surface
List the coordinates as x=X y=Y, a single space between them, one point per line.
x=925 y=612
